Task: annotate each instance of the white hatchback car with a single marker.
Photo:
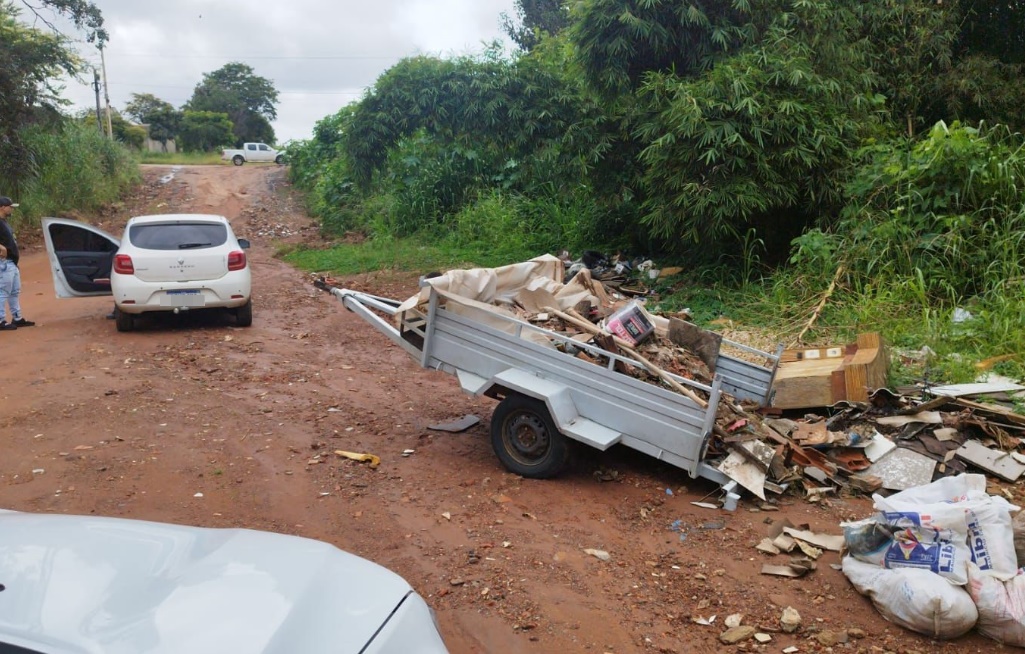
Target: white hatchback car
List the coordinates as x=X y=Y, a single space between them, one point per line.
x=174 y=262
x=77 y=584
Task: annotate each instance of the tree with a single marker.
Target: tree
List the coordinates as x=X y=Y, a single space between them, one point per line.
x=743 y=115
x=32 y=62
x=505 y=112
x=144 y=105
x=622 y=40
x=125 y=132
x=248 y=99
x=995 y=28
x=533 y=19
x=85 y=15
x=912 y=54
x=163 y=119
x=202 y=131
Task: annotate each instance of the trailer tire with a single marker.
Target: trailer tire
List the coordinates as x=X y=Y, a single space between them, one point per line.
x=525 y=438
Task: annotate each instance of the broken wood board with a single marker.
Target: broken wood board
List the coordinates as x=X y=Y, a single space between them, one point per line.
x=902 y=469
x=995 y=462
x=815 y=377
x=992 y=409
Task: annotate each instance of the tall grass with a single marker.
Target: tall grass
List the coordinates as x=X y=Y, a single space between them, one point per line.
x=182 y=158
x=73 y=169
x=932 y=227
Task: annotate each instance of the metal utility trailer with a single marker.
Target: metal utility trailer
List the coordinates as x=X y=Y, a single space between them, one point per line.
x=549 y=395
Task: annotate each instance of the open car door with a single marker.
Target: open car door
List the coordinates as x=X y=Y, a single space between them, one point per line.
x=81 y=257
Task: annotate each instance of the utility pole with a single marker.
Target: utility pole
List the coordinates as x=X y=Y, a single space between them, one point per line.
x=106 y=94
x=96 y=87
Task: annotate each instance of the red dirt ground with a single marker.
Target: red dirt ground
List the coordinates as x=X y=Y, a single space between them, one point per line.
x=135 y=425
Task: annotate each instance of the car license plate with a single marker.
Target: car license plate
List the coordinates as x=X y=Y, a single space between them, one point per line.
x=184 y=297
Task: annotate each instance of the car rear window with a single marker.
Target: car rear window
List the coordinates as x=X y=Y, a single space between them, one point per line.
x=178 y=236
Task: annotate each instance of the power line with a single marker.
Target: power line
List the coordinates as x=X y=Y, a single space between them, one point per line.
x=295 y=92
x=237 y=56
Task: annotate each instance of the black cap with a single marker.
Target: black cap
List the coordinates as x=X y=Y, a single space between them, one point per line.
x=6 y=201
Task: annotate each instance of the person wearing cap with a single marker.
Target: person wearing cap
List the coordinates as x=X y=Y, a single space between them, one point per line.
x=10 y=276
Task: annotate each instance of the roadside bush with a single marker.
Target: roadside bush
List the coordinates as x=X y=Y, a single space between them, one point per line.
x=72 y=169
x=932 y=226
x=429 y=181
x=516 y=227
x=947 y=210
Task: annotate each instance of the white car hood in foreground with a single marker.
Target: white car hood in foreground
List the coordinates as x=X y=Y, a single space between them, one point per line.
x=81 y=584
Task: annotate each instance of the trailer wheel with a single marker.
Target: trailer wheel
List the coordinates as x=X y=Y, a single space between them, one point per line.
x=525 y=438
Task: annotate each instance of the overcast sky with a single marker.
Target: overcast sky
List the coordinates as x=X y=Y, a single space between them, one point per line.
x=319 y=54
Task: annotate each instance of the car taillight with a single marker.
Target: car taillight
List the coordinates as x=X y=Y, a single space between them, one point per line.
x=123 y=265
x=236 y=260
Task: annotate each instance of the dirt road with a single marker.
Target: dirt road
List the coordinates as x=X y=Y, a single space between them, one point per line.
x=139 y=425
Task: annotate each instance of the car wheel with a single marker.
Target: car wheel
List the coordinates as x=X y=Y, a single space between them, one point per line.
x=525 y=438
x=280 y=159
x=244 y=314
x=125 y=321
x=238 y=160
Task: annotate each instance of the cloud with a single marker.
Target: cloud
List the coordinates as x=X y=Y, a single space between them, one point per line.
x=319 y=54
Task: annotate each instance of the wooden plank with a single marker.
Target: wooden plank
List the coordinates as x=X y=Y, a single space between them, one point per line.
x=871 y=363
x=801 y=391
x=993 y=409
x=838 y=385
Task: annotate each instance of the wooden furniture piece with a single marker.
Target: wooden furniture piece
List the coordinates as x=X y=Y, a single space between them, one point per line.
x=822 y=376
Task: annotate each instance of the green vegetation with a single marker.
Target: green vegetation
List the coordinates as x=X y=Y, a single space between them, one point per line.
x=51 y=163
x=783 y=152
x=246 y=100
x=388 y=254
x=230 y=106
x=184 y=158
x=76 y=169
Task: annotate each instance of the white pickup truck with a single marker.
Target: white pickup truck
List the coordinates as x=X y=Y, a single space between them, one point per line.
x=253 y=152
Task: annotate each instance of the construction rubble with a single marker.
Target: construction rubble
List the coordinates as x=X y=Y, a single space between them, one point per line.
x=888 y=442
x=940 y=556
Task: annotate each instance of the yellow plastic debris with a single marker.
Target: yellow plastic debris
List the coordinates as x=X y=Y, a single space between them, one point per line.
x=358 y=456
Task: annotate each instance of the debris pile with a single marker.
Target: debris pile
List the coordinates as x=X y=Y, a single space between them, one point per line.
x=593 y=310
